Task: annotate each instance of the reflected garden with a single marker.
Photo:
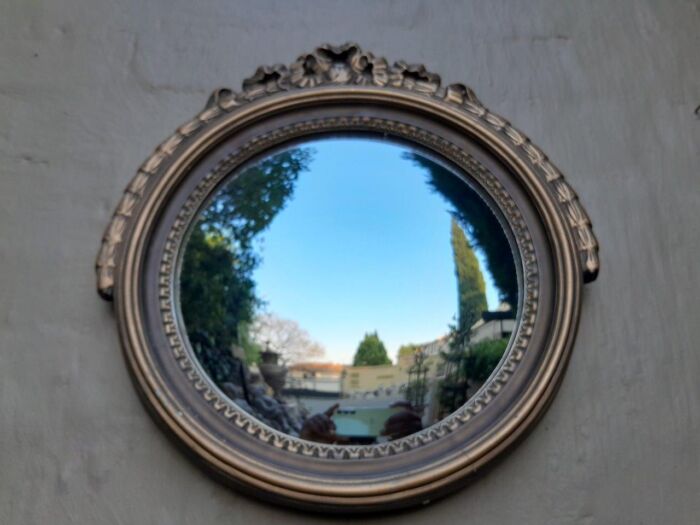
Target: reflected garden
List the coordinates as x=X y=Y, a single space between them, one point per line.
x=297 y=291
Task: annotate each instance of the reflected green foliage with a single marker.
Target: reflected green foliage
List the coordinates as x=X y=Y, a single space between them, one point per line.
x=472 y=303
x=251 y=349
x=247 y=205
x=407 y=350
x=470 y=283
x=417 y=386
x=371 y=352
x=469 y=368
x=480 y=223
x=217 y=291
x=483 y=358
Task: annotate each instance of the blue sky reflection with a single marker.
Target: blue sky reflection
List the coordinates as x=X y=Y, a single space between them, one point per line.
x=362 y=244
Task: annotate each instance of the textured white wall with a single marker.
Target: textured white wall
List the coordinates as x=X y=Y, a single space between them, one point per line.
x=608 y=89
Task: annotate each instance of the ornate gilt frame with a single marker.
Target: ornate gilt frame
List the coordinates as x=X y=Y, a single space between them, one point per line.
x=332 y=90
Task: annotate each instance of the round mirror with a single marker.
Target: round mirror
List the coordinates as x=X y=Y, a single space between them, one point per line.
x=348 y=290
x=345 y=286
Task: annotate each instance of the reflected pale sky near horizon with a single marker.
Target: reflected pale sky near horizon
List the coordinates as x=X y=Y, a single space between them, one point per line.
x=363 y=244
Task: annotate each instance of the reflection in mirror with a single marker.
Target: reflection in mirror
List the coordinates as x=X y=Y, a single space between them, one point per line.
x=348 y=290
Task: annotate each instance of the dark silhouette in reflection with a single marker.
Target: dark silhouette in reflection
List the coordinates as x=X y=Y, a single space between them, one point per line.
x=322 y=429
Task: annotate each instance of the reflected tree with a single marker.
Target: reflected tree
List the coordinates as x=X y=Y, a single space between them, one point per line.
x=217 y=290
x=471 y=288
x=417 y=385
x=371 y=352
x=286 y=338
x=407 y=351
x=482 y=226
x=472 y=303
x=483 y=358
x=471 y=364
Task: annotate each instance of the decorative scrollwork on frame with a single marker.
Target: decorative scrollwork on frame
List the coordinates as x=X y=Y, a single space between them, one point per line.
x=184 y=355
x=346 y=64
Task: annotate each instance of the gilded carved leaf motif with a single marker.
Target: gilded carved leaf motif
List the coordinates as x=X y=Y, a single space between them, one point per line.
x=346 y=64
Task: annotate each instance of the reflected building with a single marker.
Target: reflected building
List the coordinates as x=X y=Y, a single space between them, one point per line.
x=318 y=378
x=377 y=380
x=386 y=384
x=494 y=325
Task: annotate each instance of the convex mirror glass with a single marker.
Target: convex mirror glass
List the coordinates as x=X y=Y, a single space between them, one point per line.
x=348 y=290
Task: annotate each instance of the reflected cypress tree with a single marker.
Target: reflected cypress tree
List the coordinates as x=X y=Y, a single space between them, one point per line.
x=470 y=282
x=472 y=303
x=217 y=291
x=480 y=223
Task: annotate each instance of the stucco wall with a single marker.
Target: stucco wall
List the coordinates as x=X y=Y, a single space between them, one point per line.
x=608 y=89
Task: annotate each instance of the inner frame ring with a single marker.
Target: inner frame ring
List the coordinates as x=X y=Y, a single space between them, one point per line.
x=260 y=145
x=475 y=175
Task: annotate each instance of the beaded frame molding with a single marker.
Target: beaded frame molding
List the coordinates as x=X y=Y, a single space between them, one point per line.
x=342 y=89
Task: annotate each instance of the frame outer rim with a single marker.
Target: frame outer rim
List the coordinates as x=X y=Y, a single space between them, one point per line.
x=529 y=407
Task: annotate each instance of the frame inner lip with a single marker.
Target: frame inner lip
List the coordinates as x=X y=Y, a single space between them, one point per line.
x=282 y=143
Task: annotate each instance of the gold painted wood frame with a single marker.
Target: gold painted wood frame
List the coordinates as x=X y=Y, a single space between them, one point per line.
x=341 y=90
